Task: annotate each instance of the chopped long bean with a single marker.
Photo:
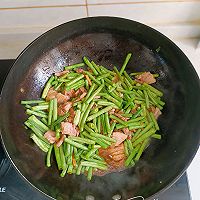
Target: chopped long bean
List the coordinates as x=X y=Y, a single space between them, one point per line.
x=75 y=79
x=36 y=113
x=95 y=93
x=141 y=149
x=47 y=87
x=144 y=136
x=40 y=107
x=154 y=90
x=41 y=144
x=62 y=158
x=36 y=130
x=76 y=144
x=112 y=128
x=93 y=164
x=125 y=63
x=38 y=123
x=60 y=119
x=50 y=112
x=132 y=155
x=93 y=78
x=26 y=102
x=89 y=175
x=96 y=67
x=104 y=110
x=102 y=136
x=107 y=123
x=156 y=136
x=48 y=161
x=74 y=66
x=154 y=121
x=97 y=140
x=85 y=116
x=81 y=140
x=55 y=112
x=90 y=90
x=99 y=124
x=89 y=64
x=57 y=155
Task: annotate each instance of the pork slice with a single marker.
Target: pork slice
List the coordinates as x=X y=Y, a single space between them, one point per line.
x=70 y=94
x=64 y=108
x=110 y=156
x=61 y=73
x=119 y=136
x=127 y=131
x=71 y=115
x=68 y=128
x=78 y=92
x=121 y=117
x=81 y=96
x=51 y=94
x=82 y=89
x=112 y=111
x=50 y=136
x=118 y=157
x=61 y=98
x=60 y=140
x=116 y=79
x=145 y=77
x=60 y=111
x=156 y=111
x=88 y=79
x=80 y=70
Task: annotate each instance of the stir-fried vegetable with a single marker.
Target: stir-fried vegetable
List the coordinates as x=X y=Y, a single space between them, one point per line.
x=87 y=115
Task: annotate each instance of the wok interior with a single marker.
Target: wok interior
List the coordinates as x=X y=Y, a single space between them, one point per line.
x=106 y=44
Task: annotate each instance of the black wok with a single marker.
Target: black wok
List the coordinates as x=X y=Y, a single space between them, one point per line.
x=106 y=40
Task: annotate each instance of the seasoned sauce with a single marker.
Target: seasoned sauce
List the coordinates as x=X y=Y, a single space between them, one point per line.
x=114 y=157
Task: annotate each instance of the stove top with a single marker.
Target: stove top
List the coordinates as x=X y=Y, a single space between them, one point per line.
x=14 y=187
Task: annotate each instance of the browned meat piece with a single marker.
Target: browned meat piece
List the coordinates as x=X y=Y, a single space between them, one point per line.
x=156 y=111
x=60 y=141
x=79 y=70
x=71 y=115
x=112 y=111
x=68 y=128
x=121 y=117
x=119 y=136
x=116 y=79
x=63 y=108
x=61 y=73
x=81 y=96
x=61 y=98
x=127 y=131
x=70 y=94
x=51 y=94
x=88 y=79
x=50 y=136
x=114 y=156
x=145 y=77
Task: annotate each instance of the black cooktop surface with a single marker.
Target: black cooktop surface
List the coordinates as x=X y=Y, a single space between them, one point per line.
x=14 y=187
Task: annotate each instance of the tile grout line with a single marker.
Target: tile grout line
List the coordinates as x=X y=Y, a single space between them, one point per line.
x=87 y=11
x=144 y=2
x=99 y=4
x=33 y=7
